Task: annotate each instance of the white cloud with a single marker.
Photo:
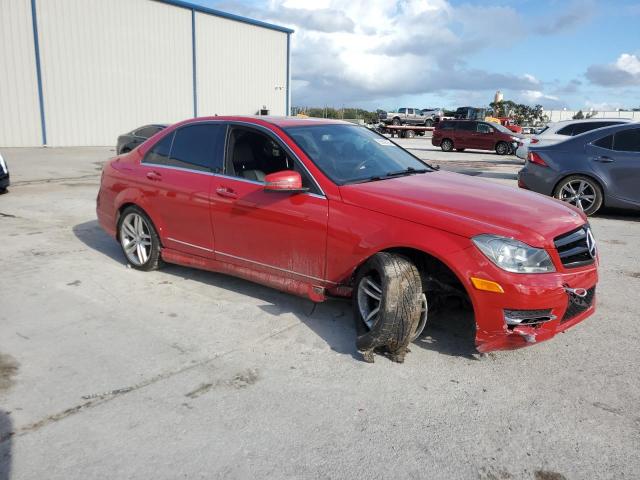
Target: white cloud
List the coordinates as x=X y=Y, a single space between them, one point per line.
x=364 y=51
x=624 y=71
x=629 y=63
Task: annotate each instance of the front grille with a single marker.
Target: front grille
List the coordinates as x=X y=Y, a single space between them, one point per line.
x=577 y=304
x=527 y=317
x=576 y=248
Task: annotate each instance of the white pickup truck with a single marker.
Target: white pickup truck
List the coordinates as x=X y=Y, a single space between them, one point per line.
x=411 y=116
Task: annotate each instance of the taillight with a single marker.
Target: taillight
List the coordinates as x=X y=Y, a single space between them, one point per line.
x=533 y=157
x=534 y=140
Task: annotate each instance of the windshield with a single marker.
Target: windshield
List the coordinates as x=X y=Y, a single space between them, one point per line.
x=501 y=128
x=348 y=153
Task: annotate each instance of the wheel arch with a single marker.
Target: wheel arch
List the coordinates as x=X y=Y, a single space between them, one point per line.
x=441 y=282
x=128 y=204
x=424 y=260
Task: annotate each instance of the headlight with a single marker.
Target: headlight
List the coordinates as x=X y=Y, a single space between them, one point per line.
x=516 y=139
x=514 y=256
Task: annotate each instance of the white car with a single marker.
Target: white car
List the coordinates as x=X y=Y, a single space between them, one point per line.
x=557 y=132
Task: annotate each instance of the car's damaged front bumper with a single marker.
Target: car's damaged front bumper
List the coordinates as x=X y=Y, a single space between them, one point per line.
x=531 y=307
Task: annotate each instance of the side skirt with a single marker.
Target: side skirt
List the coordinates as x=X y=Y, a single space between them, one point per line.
x=315 y=293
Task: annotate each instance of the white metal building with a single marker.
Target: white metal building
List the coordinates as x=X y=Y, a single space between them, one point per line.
x=81 y=72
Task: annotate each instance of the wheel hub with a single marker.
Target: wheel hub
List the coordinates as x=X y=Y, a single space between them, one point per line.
x=579 y=193
x=135 y=236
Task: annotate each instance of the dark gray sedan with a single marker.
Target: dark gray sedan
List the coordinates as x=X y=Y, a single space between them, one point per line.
x=600 y=167
x=129 y=141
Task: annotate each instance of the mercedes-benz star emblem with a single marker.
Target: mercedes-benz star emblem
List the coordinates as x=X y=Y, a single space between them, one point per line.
x=591 y=244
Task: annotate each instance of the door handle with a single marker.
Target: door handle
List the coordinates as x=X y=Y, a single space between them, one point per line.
x=603 y=159
x=226 y=192
x=154 y=176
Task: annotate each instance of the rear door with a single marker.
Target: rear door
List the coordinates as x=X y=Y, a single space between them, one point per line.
x=617 y=157
x=274 y=232
x=178 y=172
x=464 y=137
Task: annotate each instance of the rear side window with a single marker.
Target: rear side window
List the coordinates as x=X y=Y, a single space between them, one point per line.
x=568 y=130
x=587 y=127
x=159 y=154
x=446 y=125
x=466 y=126
x=194 y=147
x=627 y=140
x=484 y=128
x=605 y=142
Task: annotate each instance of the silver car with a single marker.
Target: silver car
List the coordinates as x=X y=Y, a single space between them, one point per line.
x=560 y=131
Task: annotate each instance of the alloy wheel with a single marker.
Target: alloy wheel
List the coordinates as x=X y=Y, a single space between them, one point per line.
x=135 y=236
x=579 y=193
x=369 y=299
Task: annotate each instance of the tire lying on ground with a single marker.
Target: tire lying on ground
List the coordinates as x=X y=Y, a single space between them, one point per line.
x=387 y=304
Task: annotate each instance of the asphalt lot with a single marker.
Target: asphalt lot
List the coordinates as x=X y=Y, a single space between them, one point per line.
x=107 y=372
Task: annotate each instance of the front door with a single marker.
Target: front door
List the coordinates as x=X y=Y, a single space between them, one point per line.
x=483 y=137
x=275 y=232
x=178 y=171
x=618 y=158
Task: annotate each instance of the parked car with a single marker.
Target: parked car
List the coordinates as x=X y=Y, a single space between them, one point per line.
x=325 y=208
x=463 y=134
x=131 y=140
x=405 y=116
x=4 y=175
x=432 y=116
x=559 y=132
x=598 y=168
x=510 y=124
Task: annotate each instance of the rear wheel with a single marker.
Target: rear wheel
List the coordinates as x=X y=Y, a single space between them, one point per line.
x=139 y=240
x=502 y=148
x=410 y=134
x=580 y=191
x=446 y=145
x=396 y=121
x=428 y=122
x=388 y=305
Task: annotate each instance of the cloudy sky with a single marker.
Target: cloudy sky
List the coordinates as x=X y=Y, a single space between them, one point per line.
x=448 y=53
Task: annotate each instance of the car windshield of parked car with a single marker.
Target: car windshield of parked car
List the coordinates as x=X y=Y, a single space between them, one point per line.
x=502 y=129
x=350 y=154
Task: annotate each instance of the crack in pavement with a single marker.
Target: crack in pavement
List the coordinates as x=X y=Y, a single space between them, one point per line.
x=109 y=396
x=53 y=180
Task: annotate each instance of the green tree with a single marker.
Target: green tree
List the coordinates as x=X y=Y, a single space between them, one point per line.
x=579 y=115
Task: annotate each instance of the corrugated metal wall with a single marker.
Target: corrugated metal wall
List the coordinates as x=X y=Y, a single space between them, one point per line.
x=19 y=109
x=240 y=68
x=109 y=66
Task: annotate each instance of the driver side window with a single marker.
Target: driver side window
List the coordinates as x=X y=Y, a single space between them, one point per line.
x=252 y=155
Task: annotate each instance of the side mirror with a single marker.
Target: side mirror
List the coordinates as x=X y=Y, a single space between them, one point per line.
x=284 y=181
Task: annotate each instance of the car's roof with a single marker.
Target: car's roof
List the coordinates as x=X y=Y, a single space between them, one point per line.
x=587 y=137
x=589 y=120
x=277 y=120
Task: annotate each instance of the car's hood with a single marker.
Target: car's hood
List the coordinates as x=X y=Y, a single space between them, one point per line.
x=467 y=206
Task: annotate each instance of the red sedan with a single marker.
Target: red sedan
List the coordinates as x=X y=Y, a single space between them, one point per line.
x=325 y=208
